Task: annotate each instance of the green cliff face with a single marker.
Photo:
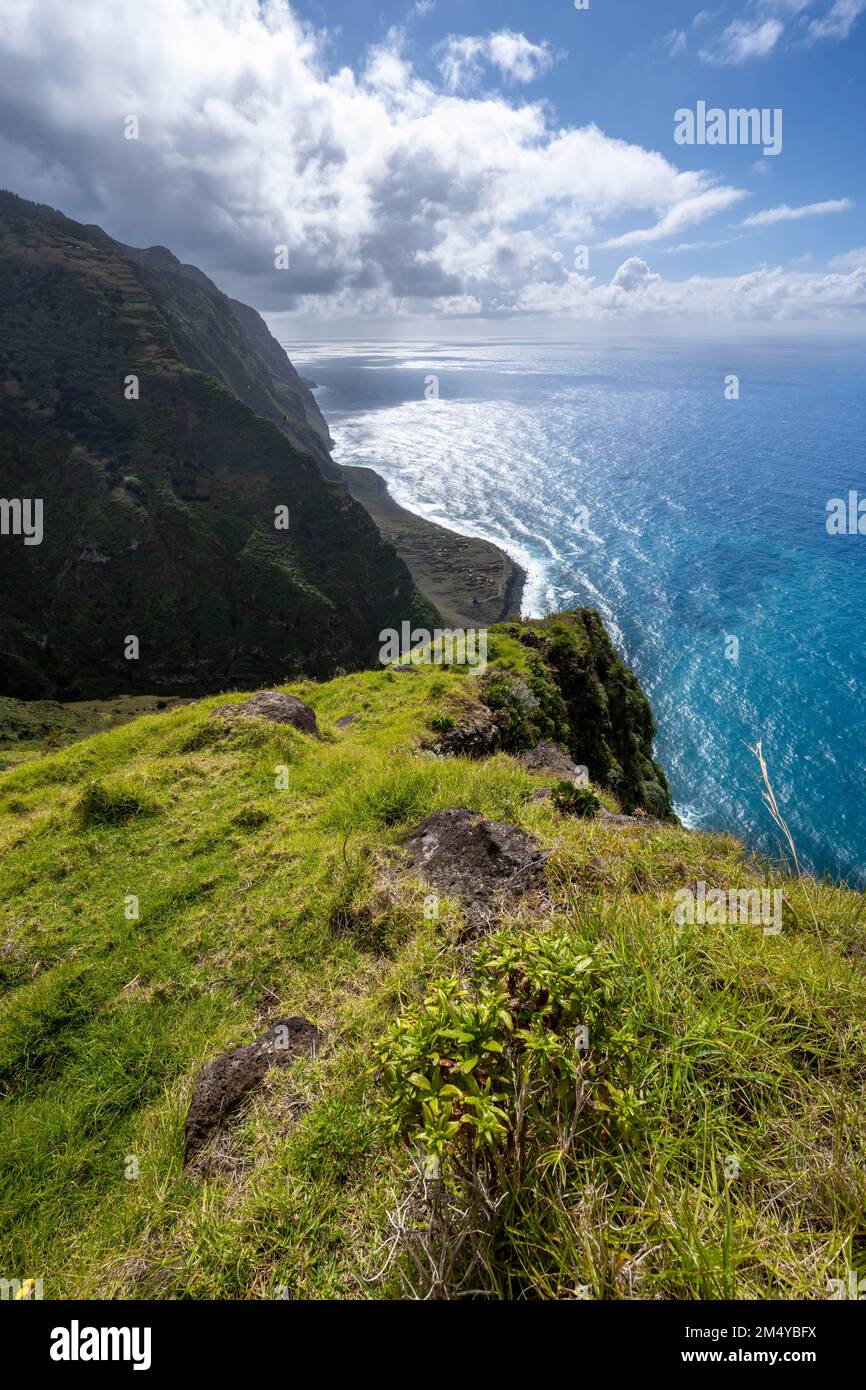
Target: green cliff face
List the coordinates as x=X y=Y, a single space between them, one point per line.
x=567 y=683
x=159 y=512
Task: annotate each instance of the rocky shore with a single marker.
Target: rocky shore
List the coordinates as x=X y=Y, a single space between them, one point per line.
x=471 y=581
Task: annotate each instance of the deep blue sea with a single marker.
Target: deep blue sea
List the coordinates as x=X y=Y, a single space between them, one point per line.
x=705 y=521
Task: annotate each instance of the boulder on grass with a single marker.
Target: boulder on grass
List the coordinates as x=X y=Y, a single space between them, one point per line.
x=274 y=706
x=475 y=735
x=224 y=1081
x=551 y=758
x=488 y=864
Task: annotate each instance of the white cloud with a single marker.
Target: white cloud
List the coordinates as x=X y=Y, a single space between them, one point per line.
x=516 y=57
x=687 y=213
x=742 y=40
x=676 y=42
x=388 y=190
x=394 y=194
x=849 y=260
x=634 y=274
x=766 y=295
x=698 y=246
x=838 y=21
x=759 y=34
x=770 y=216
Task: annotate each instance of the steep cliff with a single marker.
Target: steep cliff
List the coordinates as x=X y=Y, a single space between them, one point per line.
x=180 y=461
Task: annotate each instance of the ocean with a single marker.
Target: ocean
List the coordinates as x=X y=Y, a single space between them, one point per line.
x=627 y=475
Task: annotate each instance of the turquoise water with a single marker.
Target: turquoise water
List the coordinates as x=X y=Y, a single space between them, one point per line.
x=705 y=521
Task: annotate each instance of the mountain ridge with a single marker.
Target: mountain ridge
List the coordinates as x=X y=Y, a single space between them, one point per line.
x=134 y=401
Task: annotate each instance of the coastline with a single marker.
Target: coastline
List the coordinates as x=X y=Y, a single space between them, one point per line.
x=469 y=580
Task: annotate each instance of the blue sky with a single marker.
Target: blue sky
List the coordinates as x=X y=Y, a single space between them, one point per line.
x=442 y=160
x=628 y=65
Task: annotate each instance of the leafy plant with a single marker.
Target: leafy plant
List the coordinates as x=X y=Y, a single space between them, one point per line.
x=496 y=1079
x=575 y=801
x=454 y=1065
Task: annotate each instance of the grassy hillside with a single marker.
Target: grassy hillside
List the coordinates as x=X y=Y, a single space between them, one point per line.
x=705 y=1042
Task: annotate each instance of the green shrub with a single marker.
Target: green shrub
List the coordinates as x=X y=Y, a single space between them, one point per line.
x=454 y=1065
x=575 y=801
x=514 y=705
x=501 y=1081
x=528 y=710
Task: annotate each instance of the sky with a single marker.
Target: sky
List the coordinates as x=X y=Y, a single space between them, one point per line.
x=460 y=164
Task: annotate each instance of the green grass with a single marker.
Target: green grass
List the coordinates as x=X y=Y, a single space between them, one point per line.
x=31 y=727
x=256 y=902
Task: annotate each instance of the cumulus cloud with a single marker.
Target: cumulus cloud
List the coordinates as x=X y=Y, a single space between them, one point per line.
x=849 y=260
x=634 y=274
x=386 y=189
x=768 y=294
x=770 y=216
x=394 y=194
x=516 y=57
x=765 y=295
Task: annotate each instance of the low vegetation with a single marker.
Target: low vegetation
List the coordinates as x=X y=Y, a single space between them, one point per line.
x=586 y=1100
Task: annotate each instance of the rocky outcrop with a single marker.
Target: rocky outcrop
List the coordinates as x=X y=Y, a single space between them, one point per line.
x=274 y=706
x=224 y=1081
x=475 y=735
x=485 y=863
x=552 y=759
x=577 y=691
